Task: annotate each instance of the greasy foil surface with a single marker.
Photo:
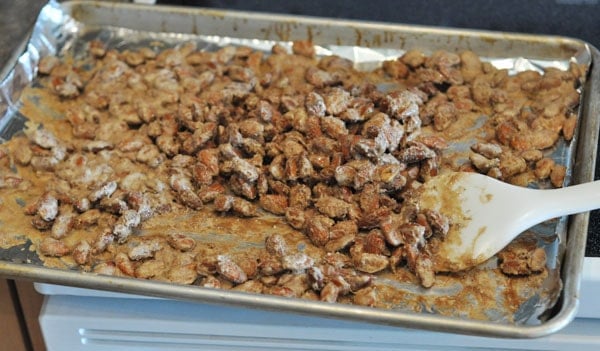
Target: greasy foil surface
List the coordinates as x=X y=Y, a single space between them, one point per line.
x=481 y=294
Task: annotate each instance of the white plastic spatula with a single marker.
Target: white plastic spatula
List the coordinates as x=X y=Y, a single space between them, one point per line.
x=487 y=214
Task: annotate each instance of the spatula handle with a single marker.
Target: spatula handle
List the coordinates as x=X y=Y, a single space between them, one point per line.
x=569 y=200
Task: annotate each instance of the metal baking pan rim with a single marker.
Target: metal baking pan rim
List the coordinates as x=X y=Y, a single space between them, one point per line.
x=265 y=302
x=584 y=168
x=572 y=265
x=77 y=9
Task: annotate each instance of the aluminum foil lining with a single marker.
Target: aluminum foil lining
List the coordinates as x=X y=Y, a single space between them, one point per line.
x=57 y=33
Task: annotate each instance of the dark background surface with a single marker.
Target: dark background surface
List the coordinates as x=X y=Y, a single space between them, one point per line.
x=572 y=18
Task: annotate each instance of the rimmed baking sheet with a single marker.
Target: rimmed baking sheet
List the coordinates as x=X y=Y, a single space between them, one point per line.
x=64 y=28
